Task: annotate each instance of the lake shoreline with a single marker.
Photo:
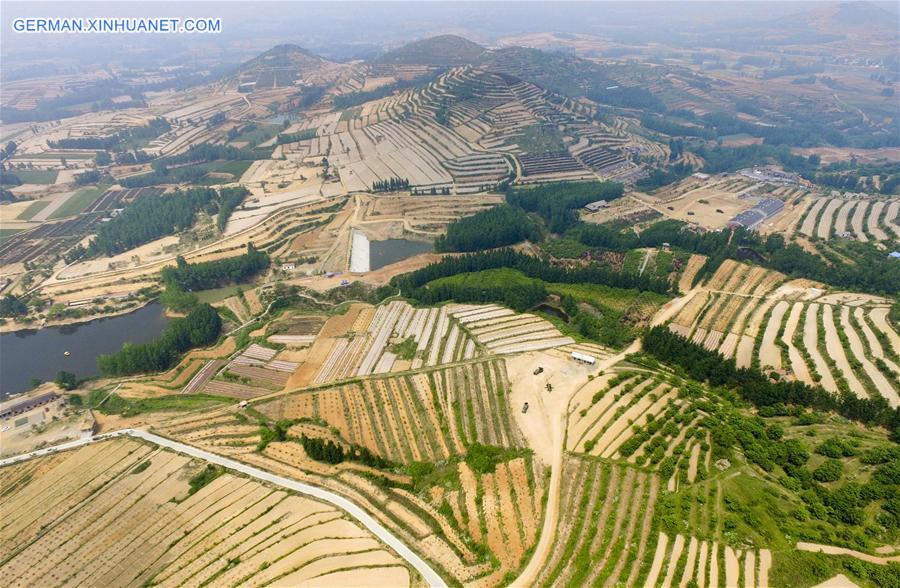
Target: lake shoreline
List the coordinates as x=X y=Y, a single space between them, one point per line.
x=81 y=320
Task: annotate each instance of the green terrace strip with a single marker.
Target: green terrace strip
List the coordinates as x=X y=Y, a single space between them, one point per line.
x=33 y=208
x=152 y=130
x=40 y=176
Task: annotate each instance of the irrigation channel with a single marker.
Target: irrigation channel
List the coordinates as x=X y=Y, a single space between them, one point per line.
x=41 y=353
x=431 y=577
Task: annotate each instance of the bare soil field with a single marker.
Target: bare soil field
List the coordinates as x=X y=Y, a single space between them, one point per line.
x=144 y=524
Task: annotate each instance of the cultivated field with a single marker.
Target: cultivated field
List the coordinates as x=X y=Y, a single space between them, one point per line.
x=858 y=217
x=603 y=535
x=124 y=513
x=841 y=341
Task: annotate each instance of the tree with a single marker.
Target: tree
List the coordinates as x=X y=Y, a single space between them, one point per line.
x=11 y=306
x=66 y=380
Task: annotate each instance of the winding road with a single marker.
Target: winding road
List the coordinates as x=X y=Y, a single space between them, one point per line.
x=431 y=577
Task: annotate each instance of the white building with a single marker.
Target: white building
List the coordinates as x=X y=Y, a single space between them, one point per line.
x=583 y=358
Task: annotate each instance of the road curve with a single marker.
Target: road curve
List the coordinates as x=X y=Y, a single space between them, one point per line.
x=430 y=576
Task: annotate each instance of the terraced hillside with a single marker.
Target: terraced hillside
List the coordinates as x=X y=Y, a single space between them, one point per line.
x=425 y=416
x=455 y=476
x=604 y=533
x=126 y=513
x=859 y=217
x=840 y=341
x=463 y=132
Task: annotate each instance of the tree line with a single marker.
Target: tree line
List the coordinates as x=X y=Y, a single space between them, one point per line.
x=531 y=266
x=390 y=185
x=872 y=271
x=303 y=135
x=213 y=274
x=753 y=386
x=199 y=328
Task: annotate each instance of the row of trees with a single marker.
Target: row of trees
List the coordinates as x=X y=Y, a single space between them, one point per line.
x=213 y=274
x=390 y=185
x=294 y=137
x=495 y=227
x=333 y=453
x=199 y=328
x=709 y=366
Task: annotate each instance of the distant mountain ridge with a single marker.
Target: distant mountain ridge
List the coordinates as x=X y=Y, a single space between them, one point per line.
x=442 y=50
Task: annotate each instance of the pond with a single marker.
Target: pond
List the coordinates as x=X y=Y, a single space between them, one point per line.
x=382 y=253
x=40 y=353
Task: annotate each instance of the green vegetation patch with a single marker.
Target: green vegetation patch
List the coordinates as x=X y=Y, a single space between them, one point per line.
x=406 y=349
x=33 y=208
x=79 y=201
x=508 y=286
x=204 y=477
x=802 y=569
x=541 y=139
x=483 y=459
x=115 y=404
x=37 y=176
x=7 y=233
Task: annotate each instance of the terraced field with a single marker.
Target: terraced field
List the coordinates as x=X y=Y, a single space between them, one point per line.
x=125 y=513
x=603 y=536
x=860 y=218
x=431 y=417
x=427 y=416
x=681 y=560
x=841 y=341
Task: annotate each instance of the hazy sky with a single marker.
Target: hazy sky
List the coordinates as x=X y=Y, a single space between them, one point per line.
x=251 y=27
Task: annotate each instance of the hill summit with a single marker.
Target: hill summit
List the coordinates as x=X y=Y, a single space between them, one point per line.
x=440 y=50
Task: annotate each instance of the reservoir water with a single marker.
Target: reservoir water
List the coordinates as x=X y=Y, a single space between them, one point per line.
x=382 y=253
x=40 y=353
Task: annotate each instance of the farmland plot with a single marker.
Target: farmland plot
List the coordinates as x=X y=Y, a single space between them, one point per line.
x=426 y=416
x=369 y=351
x=860 y=218
x=679 y=561
x=602 y=536
x=143 y=525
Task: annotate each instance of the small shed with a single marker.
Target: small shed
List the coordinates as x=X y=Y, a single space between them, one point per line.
x=583 y=358
x=598 y=205
x=894 y=254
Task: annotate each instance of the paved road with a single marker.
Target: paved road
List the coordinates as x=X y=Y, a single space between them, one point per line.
x=430 y=576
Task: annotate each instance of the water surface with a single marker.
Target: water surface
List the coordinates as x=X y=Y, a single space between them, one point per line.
x=382 y=253
x=40 y=353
